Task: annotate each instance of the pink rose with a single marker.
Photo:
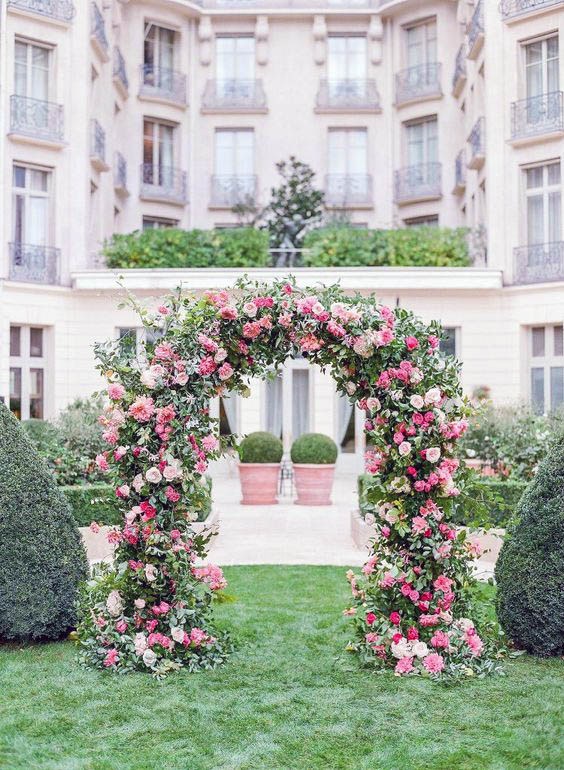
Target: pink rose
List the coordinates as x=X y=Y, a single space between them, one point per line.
x=225 y=371
x=102 y=463
x=395 y=618
x=411 y=343
x=404 y=448
x=142 y=408
x=404 y=666
x=115 y=391
x=434 y=663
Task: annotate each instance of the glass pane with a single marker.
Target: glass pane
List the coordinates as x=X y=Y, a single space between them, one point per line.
x=559 y=340
x=36 y=394
x=534 y=177
x=556 y=387
x=19 y=176
x=554 y=217
x=553 y=170
x=535 y=219
x=36 y=342
x=538 y=341
x=16 y=391
x=537 y=390
x=448 y=344
x=127 y=337
x=15 y=340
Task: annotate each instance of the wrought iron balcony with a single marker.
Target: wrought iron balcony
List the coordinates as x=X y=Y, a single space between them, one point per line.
x=120 y=173
x=476 y=31
x=418 y=82
x=539 y=263
x=459 y=77
x=98 y=30
x=348 y=190
x=62 y=10
x=228 y=190
x=348 y=95
x=510 y=9
x=120 y=72
x=162 y=83
x=537 y=115
x=420 y=182
x=234 y=96
x=36 y=118
x=34 y=264
x=460 y=172
x=163 y=183
x=477 y=142
x=97 y=145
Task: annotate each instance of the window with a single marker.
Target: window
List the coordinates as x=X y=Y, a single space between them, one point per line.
x=158 y=50
x=234 y=152
x=274 y=405
x=27 y=372
x=133 y=338
x=422 y=142
x=346 y=65
x=421 y=43
x=348 y=151
x=31 y=71
x=541 y=67
x=31 y=206
x=429 y=221
x=235 y=58
x=546 y=356
x=449 y=343
x=543 y=203
x=229 y=414
x=157 y=223
x=158 y=153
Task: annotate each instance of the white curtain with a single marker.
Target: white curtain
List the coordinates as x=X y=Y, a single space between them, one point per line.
x=273 y=390
x=345 y=409
x=300 y=402
x=231 y=406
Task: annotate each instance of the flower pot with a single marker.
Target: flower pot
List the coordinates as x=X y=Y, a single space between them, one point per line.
x=259 y=483
x=313 y=483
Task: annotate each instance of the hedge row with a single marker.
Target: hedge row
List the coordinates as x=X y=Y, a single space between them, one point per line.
x=98 y=502
x=505 y=498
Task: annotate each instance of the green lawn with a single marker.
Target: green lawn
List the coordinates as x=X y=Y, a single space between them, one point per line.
x=289 y=698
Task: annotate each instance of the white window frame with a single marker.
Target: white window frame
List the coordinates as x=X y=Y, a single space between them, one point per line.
x=236 y=57
x=159 y=44
x=26 y=362
x=158 y=223
x=30 y=45
x=425 y=122
x=429 y=42
x=546 y=189
x=28 y=192
x=544 y=63
x=546 y=362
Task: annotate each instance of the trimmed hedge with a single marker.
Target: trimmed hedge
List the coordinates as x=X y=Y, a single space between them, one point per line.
x=171 y=247
x=409 y=247
x=505 y=496
x=42 y=559
x=314 y=449
x=530 y=568
x=261 y=447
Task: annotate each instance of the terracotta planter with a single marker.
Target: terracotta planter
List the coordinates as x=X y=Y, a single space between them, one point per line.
x=259 y=483
x=313 y=483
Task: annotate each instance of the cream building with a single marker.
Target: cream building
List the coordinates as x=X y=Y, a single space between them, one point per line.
x=118 y=115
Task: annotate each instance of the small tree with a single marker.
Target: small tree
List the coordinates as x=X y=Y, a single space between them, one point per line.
x=42 y=559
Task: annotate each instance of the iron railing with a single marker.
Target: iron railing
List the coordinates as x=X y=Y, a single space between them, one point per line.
x=35 y=264
x=512 y=8
x=98 y=26
x=417 y=82
x=229 y=190
x=165 y=183
x=234 y=95
x=162 y=83
x=37 y=118
x=97 y=141
x=477 y=141
x=420 y=181
x=539 y=262
x=537 y=115
x=120 y=172
x=63 y=10
x=353 y=94
x=348 y=190
x=120 y=71
x=476 y=26
x=460 y=171
x=459 y=68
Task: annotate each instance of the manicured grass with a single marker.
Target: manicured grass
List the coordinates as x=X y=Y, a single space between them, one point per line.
x=289 y=699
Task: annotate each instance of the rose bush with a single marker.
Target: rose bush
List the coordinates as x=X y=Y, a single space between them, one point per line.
x=151 y=610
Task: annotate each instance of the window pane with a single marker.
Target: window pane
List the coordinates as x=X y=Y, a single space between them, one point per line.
x=36 y=394
x=448 y=344
x=15 y=340
x=19 y=176
x=16 y=391
x=556 y=387
x=534 y=177
x=559 y=340
x=36 y=342
x=537 y=390
x=553 y=173
x=538 y=341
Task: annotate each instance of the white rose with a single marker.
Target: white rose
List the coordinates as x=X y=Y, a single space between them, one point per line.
x=147 y=379
x=433 y=396
x=150 y=572
x=417 y=402
x=114 y=603
x=420 y=649
x=369 y=519
x=416 y=376
x=432 y=454
x=153 y=475
x=140 y=643
x=149 y=658
x=350 y=387
x=373 y=404
x=404 y=448
x=139 y=603
x=317 y=308
x=171 y=472
x=177 y=633
x=250 y=309
x=402 y=649
x=138 y=482
x=221 y=355
x=181 y=378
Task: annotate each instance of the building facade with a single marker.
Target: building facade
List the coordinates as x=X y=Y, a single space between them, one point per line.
x=126 y=114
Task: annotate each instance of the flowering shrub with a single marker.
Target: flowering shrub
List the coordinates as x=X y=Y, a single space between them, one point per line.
x=150 y=611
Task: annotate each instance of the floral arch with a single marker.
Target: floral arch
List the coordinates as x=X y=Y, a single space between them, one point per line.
x=150 y=611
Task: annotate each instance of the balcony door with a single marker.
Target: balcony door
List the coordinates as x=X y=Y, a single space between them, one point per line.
x=544 y=204
x=158 y=56
x=235 y=67
x=346 y=66
x=31 y=191
x=421 y=44
x=541 y=67
x=31 y=71
x=158 y=153
x=422 y=142
x=234 y=164
x=347 y=164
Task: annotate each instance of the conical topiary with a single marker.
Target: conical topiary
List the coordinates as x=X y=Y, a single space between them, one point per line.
x=42 y=559
x=530 y=568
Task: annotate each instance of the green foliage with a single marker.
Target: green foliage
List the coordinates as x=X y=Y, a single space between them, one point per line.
x=512 y=440
x=530 y=568
x=170 y=247
x=413 y=247
x=260 y=447
x=42 y=558
x=314 y=449
x=93 y=502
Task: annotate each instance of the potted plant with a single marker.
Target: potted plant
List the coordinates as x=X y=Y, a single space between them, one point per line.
x=259 y=454
x=313 y=457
